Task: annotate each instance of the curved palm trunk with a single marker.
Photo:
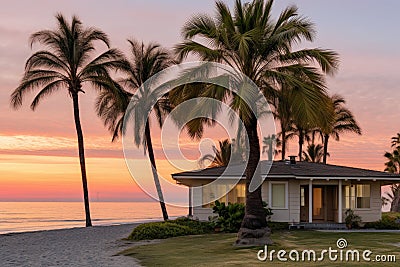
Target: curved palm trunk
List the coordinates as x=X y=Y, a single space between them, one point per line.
x=326 y=139
x=81 y=149
x=154 y=170
x=254 y=229
x=301 y=142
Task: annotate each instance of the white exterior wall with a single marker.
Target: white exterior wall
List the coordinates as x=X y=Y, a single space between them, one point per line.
x=374 y=213
x=202 y=214
x=292 y=212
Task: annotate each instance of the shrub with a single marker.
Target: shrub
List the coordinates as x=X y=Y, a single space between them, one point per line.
x=198 y=227
x=229 y=217
x=391 y=215
x=173 y=228
x=352 y=220
x=267 y=210
x=388 y=221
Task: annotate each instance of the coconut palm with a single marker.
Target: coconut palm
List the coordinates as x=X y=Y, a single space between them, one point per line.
x=396 y=140
x=287 y=105
x=344 y=121
x=393 y=166
x=250 y=41
x=222 y=155
x=302 y=134
x=314 y=153
x=146 y=61
x=66 y=65
x=268 y=145
x=392 y=198
x=393 y=161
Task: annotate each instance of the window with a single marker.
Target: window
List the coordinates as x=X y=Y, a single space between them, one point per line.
x=302 y=197
x=357 y=196
x=278 y=195
x=237 y=194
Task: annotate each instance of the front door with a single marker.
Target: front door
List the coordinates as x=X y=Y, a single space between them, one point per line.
x=331 y=203
x=324 y=203
x=318 y=203
x=304 y=203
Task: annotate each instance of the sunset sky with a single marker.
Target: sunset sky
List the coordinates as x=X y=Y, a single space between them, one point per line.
x=38 y=150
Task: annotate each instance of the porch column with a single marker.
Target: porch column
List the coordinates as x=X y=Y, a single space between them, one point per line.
x=310 y=201
x=340 y=204
x=190 y=202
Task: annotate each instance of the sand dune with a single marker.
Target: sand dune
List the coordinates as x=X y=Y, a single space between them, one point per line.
x=94 y=246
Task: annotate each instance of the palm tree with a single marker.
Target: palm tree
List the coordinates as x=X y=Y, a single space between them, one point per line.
x=303 y=133
x=222 y=155
x=344 y=121
x=146 y=61
x=66 y=65
x=287 y=105
x=393 y=166
x=396 y=140
x=392 y=197
x=393 y=161
x=251 y=42
x=314 y=153
x=268 y=145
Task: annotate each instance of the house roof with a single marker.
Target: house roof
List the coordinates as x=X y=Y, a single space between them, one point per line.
x=286 y=170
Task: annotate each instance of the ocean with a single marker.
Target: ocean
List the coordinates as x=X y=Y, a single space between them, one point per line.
x=36 y=216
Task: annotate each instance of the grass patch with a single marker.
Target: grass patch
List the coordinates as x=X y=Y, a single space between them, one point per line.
x=217 y=249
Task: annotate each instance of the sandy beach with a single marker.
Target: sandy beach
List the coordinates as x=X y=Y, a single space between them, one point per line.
x=94 y=246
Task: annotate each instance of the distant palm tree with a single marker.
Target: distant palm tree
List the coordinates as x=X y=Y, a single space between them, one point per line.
x=222 y=155
x=66 y=65
x=250 y=41
x=396 y=140
x=146 y=61
x=314 y=153
x=344 y=121
x=393 y=161
x=268 y=145
x=294 y=118
x=302 y=134
x=392 y=197
x=393 y=166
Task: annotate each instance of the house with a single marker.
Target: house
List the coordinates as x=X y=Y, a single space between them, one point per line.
x=297 y=192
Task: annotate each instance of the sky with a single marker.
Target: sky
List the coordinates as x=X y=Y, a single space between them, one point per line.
x=38 y=150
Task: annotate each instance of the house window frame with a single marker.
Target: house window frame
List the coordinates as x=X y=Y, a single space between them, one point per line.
x=355 y=196
x=227 y=196
x=286 y=183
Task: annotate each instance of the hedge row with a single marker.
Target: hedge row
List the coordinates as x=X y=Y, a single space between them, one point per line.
x=172 y=228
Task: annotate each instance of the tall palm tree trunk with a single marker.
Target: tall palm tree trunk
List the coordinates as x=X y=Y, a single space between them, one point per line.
x=283 y=133
x=301 y=142
x=326 y=139
x=395 y=205
x=254 y=225
x=154 y=170
x=81 y=149
x=270 y=150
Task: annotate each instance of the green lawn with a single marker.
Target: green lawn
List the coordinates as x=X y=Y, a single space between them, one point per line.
x=217 y=249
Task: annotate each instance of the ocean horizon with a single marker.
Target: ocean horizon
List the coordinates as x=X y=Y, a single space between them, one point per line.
x=16 y=217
